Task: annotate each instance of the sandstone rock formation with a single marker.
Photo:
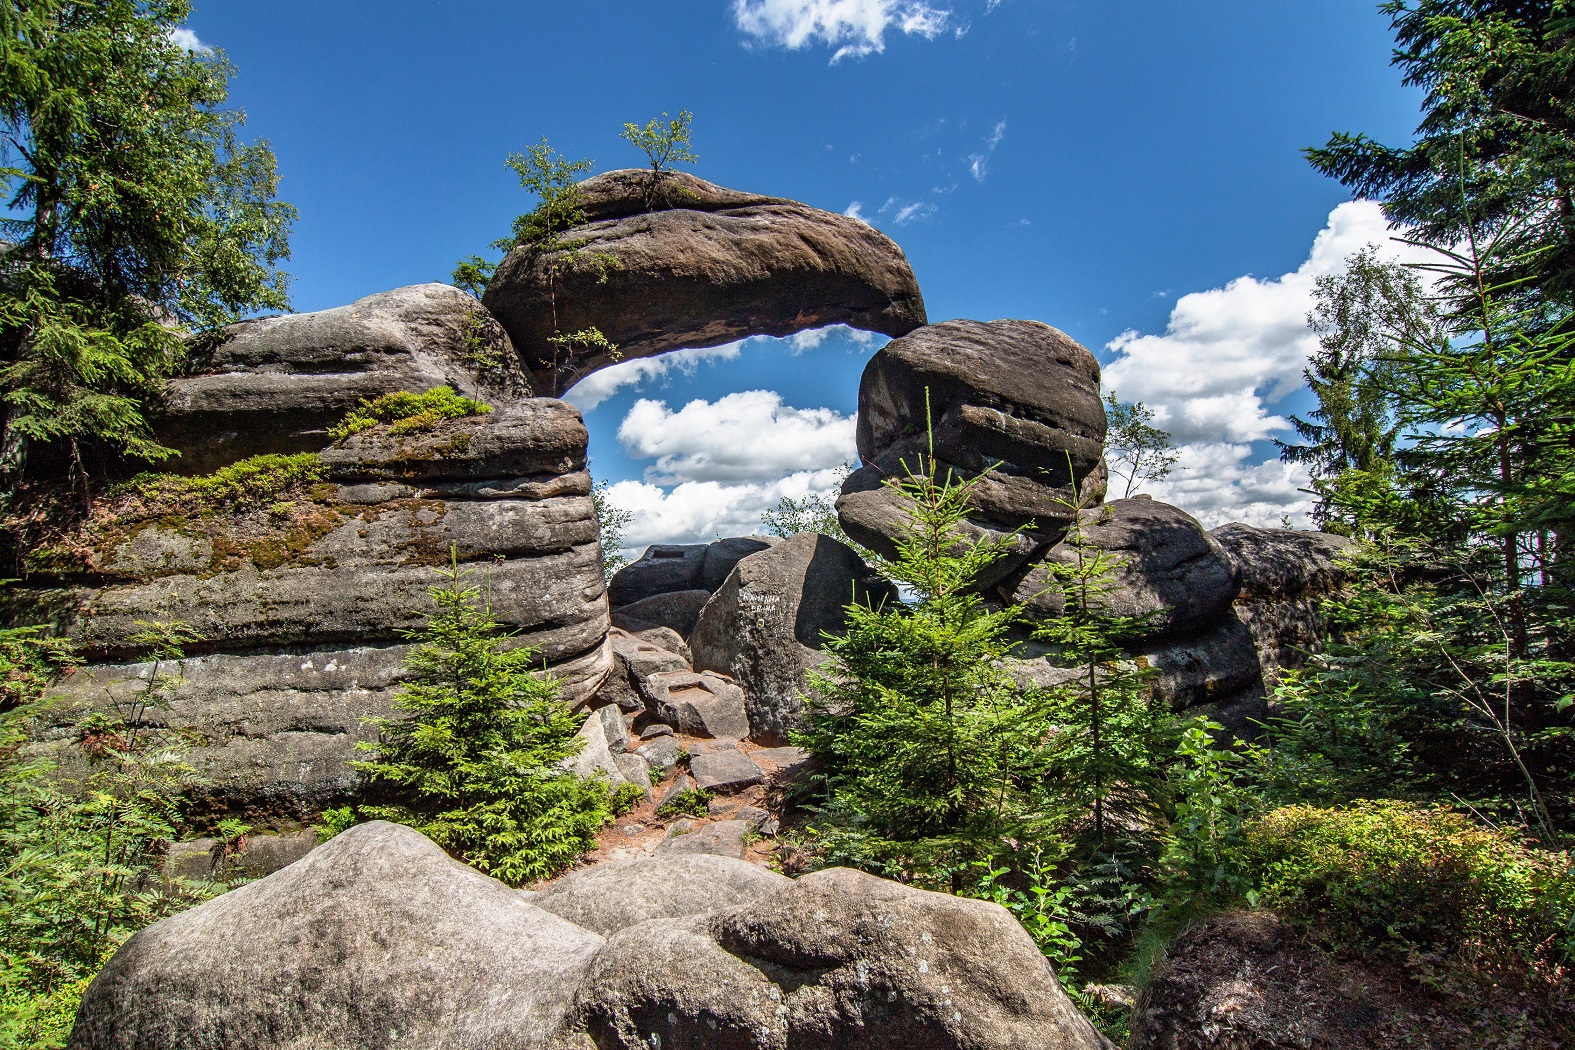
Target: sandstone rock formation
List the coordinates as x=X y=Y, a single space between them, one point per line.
x=765 y=626
x=1165 y=570
x=1018 y=399
x=685 y=263
x=1284 y=575
x=378 y=939
x=298 y=605
x=277 y=384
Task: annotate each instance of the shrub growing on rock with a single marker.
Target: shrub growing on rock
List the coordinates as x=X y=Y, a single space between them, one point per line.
x=1391 y=875
x=474 y=759
x=408 y=412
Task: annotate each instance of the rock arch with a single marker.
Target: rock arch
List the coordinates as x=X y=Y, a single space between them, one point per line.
x=686 y=264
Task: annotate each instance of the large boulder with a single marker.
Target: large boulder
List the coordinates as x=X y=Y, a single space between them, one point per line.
x=1014 y=401
x=374 y=939
x=1162 y=568
x=277 y=384
x=614 y=895
x=836 y=958
x=675 y=610
x=1250 y=980
x=667 y=568
x=766 y=626
x=672 y=262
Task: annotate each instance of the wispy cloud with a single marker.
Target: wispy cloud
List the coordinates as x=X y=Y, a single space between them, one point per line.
x=979 y=163
x=854 y=28
x=855 y=210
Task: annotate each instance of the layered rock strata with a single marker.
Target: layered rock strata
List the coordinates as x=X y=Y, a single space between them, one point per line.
x=664 y=263
x=298 y=604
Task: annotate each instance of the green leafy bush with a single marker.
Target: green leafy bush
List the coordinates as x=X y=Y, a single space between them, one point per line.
x=474 y=760
x=407 y=412
x=694 y=803
x=1387 y=874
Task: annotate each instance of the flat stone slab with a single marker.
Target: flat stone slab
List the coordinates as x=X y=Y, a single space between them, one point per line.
x=723 y=838
x=727 y=772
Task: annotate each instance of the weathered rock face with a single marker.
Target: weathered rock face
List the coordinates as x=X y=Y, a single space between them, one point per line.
x=685 y=263
x=277 y=384
x=765 y=626
x=1016 y=396
x=615 y=895
x=1285 y=576
x=298 y=607
x=378 y=939
x=1164 y=568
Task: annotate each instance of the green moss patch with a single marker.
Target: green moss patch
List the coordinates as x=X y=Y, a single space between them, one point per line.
x=408 y=413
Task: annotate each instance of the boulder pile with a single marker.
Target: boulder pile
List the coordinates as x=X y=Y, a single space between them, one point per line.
x=379 y=939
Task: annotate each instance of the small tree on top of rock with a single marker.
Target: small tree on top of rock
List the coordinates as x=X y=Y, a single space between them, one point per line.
x=665 y=142
x=474 y=760
x=1140 y=451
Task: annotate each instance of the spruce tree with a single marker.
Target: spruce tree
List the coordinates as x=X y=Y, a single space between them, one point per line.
x=931 y=756
x=475 y=759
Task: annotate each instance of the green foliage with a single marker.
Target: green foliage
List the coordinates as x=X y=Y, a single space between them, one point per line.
x=554 y=181
x=134 y=203
x=1045 y=910
x=611 y=520
x=1202 y=866
x=625 y=797
x=333 y=821
x=686 y=803
x=80 y=853
x=1140 y=451
x=1496 y=144
x=1391 y=876
x=930 y=756
x=250 y=480
x=1368 y=319
x=474 y=760
x=664 y=142
x=408 y=413
x=1113 y=740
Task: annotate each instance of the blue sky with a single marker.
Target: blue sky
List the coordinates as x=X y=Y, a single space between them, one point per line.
x=1128 y=173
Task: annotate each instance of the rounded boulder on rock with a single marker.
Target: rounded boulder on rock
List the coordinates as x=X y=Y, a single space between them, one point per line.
x=767 y=623
x=682 y=263
x=1013 y=403
x=835 y=958
x=1163 y=568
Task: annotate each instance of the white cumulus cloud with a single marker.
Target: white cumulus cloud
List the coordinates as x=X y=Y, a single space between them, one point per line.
x=186 y=40
x=1226 y=357
x=855 y=28
x=749 y=436
x=702 y=511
